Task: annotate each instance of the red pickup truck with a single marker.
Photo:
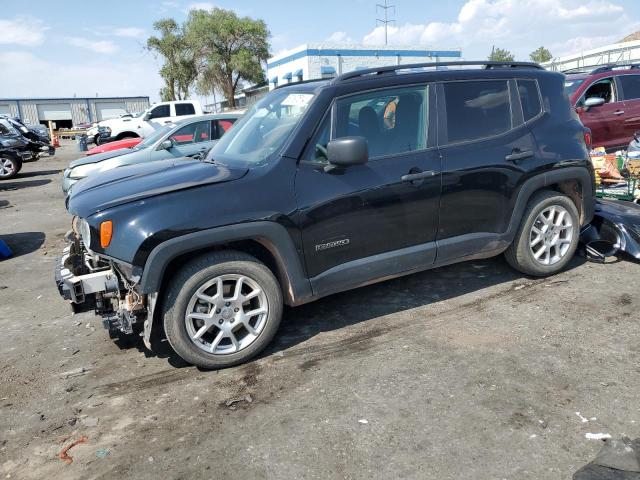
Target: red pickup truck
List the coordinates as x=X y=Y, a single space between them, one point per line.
x=607 y=99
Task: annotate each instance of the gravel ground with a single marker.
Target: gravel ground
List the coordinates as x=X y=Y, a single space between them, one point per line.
x=469 y=371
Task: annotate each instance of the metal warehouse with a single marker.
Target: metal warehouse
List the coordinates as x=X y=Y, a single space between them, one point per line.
x=67 y=112
x=321 y=60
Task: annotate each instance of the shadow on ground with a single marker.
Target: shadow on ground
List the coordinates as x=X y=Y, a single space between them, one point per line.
x=6 y=186
x=38 y=173
x=23 y=243
x=360 y=305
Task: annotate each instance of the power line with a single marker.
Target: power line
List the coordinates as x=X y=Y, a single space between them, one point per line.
x=386 y=20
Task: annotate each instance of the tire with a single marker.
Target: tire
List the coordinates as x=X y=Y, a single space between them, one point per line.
x=9 y=167
x=97 y=140
x=560 y=241
x=122 y=136
x=223 y=315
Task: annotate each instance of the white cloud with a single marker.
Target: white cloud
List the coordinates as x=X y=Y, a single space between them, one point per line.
x=129 y=32
x=517 y=25
x=130 y=76
x=200 y=6
x=339 y=37
x=98 y=46
x=23 y=30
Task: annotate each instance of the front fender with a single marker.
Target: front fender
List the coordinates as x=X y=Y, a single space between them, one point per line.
x=273 y=236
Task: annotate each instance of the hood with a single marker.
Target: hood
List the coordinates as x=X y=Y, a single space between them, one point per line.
x=135 y=182
x=99 y=157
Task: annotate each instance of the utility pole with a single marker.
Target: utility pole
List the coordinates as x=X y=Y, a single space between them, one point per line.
x=386 y=20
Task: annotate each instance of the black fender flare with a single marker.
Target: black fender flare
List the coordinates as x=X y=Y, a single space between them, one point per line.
x=546 y=179
x=296 y=288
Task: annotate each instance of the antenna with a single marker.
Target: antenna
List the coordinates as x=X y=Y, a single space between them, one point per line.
x=386 y=20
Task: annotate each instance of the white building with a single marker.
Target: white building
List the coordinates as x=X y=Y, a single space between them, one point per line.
x=624 y=52
x=320 y=60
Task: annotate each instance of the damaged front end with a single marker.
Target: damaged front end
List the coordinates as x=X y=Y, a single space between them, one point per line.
x=615 y=228
x=93 y=282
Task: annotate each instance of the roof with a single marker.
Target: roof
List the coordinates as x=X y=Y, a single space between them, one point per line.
x=631 y=38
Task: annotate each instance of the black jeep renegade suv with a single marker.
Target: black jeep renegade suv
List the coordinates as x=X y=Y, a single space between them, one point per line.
x=326 y=186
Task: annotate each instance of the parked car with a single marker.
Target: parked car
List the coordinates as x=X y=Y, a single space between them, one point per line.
x=607 y=99
x=189 y=137
x=145 y=123
x=41 y=131
x=115 y=145
x=326 y=186
x=27 y=149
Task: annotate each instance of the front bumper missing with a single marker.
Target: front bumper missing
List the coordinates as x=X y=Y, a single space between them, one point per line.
x=81 y=290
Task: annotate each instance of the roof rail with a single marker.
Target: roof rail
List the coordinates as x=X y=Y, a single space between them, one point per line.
x=602 y=68
x=393 y=68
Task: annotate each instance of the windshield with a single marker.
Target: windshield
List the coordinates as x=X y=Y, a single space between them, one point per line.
x=154 y=137
x=262 y=130
x=572 y=84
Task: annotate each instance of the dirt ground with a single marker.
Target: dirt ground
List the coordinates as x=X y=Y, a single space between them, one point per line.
x=470 y=371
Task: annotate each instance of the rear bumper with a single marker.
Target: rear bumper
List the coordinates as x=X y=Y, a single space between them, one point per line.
x=81 y=290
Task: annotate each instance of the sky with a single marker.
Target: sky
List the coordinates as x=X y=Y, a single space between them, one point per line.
x=61 y=49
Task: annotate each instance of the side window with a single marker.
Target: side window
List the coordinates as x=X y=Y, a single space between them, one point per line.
x=605 y=88
x=185 y=109
x=160 y=111
x=529 y=98
x=630 y=86
x=219 y=127
x=393 y=121
x=477 y=109
x=192 y=133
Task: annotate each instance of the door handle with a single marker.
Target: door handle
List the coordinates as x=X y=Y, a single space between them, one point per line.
x=412 y=177
x=517 y=154
x=618 y=112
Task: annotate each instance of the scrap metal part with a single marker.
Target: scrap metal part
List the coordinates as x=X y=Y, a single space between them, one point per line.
x=615 y=227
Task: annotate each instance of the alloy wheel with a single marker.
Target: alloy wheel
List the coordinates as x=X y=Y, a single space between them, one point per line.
x=226 y=314
x=7 y=167
x=551 y=235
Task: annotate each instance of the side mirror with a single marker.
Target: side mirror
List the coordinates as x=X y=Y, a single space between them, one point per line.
x=593 y=102
x=166 y=145
x=147 y=116
x=348 y=151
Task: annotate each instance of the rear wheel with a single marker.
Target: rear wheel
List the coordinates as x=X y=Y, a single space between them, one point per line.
x=222 y=309
x=547 y=237
x=9 y=167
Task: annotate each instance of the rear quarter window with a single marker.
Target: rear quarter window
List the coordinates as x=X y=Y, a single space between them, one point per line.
x=529 y=98
x=185 y=109
x=477 y=109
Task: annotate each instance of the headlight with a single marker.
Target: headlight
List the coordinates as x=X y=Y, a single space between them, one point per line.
x=81 y=171
x=85 y=232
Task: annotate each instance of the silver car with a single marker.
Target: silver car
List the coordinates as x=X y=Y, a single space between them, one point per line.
x=190 y=137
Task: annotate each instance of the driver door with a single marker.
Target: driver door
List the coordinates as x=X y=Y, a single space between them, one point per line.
x=605 y=121
x=379 y=219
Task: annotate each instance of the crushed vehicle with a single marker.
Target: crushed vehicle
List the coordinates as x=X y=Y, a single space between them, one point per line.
x=144 y=123
x=327 y=186
x=34 y=146
x=193 y=136
x=607 y=99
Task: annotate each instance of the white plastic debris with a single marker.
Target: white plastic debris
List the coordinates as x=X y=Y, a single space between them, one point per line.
x=597 y=436
x=582 y=419
x=363 y=421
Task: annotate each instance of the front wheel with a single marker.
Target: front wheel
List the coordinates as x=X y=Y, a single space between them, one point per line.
x=9 y=167
x=222 y=309
x=547 y=237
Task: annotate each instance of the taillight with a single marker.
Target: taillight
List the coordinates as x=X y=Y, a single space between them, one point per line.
x=106 y=231
x=587 y=138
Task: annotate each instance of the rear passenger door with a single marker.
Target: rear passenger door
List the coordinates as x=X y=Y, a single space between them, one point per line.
x=486 y=149
x=630 y=86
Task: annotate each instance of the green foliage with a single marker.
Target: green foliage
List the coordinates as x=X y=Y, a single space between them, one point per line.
x=229 y=50
x=501 y=55
x=179 y=69
x=540 y=55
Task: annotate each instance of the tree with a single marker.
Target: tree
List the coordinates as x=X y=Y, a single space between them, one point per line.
x=501 y=55
x=229 y=50
x=179 y=70
x=540 y=55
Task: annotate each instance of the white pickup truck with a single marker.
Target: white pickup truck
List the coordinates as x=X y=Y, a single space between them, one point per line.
x=144 y=123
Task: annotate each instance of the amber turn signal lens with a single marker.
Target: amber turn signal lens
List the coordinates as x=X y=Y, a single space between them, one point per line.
x=106 y=230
